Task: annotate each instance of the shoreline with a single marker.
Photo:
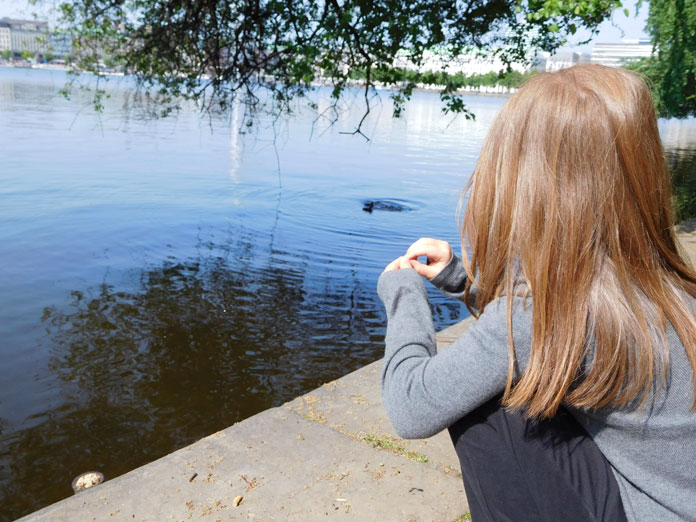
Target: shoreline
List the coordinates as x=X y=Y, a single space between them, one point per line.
x=494 y=91
x=329 y=453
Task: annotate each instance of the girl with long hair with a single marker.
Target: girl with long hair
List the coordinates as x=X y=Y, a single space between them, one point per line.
x=572 y=395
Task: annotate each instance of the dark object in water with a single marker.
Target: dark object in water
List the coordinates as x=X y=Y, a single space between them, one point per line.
x=384 y=204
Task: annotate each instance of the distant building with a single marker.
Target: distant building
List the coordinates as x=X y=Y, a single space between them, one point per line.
x=473 y=61
x=561 y=60
x=60 y=45
x=5 y=42
x=27 y=35
x=617 y=54
x=610 y=54
x=585 y=58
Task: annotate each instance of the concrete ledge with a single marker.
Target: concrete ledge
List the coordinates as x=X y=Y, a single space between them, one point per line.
x=331 y=453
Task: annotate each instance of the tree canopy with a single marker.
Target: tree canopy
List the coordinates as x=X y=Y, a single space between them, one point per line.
x=218 y=52
x=672 y=68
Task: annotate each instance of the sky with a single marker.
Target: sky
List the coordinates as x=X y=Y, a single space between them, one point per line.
x=611 y=31
x=616 y=29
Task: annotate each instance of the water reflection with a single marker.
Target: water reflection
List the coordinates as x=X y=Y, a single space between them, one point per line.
x=198 y=346
x=201 y=343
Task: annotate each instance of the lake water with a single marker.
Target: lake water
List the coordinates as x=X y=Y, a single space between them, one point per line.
x=162 y=280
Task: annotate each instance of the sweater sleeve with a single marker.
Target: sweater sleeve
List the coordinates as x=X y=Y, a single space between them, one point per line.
x=425 y=391
x=451 y=281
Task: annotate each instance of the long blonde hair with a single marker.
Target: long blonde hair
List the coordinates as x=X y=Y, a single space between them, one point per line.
x=571 y=196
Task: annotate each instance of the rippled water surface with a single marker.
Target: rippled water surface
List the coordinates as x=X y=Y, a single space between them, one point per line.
x=164 y=279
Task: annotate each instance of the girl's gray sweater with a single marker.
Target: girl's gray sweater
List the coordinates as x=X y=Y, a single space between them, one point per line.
x=652 y=451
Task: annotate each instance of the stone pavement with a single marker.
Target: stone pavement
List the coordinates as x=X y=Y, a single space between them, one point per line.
x=329 y=454
x=686 y=232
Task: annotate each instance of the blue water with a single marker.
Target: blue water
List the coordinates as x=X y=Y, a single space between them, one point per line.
x=162 y=279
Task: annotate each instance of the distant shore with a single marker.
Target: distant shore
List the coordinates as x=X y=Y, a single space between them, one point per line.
x=48 y=67
x=497 y=90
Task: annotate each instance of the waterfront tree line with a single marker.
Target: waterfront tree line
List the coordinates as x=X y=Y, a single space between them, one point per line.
x=505 y=78
x=219 y=53
x=671 y=71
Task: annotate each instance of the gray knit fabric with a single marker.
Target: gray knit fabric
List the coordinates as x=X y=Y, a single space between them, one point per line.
x=652 y=451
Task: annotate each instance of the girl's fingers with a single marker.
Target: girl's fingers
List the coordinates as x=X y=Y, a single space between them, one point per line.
x=394 y=265
x=424 y=270
x=419 y=267
x=438 y=254
x=399 y=263
x=434 y=249
x=422 y=247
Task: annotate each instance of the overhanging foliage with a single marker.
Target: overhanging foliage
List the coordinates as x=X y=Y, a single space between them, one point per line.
x=221 y=52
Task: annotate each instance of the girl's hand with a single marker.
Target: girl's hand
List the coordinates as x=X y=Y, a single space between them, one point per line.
x=398 y=263
x=438 y=252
